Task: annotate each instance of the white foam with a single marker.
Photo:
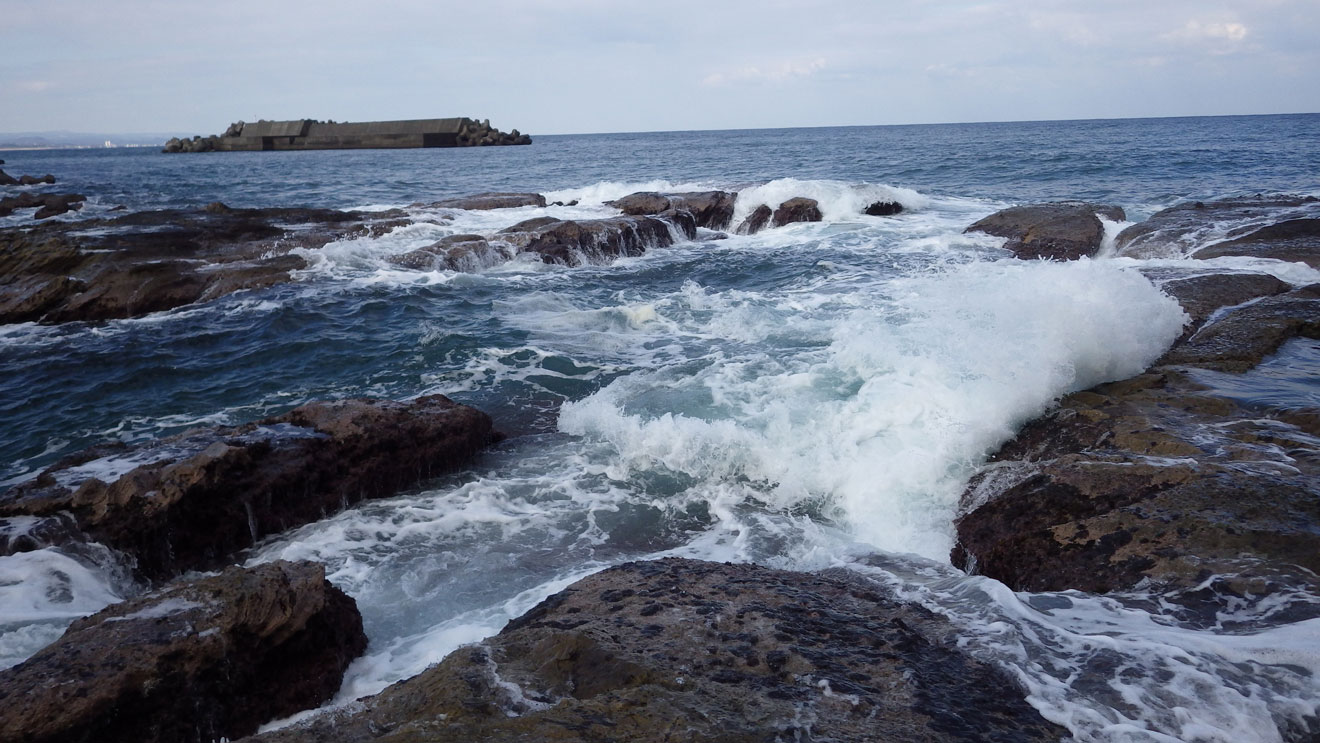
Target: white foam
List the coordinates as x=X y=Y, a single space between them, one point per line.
x=838 y=201
x=41 y=592
x=885 y=423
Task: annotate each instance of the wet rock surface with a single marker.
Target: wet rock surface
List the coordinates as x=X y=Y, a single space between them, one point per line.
x=1061 y=231
x=711 y=209
x=193 y=500
x=1163 y=481
x=756 y=221
x=798 y=209
x=147 y=262
x=487 y=201
x=687 y=650
x=47 y=205
x=1282 y=227
x=199 y=660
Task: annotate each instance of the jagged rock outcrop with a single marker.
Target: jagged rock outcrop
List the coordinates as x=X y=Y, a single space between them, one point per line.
x=695 y=651
x=188 y=502
x=711 y=209
x=561 y=241
x=202 y=660
x=146 y=262
x=797 y=209
x=1164 y=479
x=1061 y=231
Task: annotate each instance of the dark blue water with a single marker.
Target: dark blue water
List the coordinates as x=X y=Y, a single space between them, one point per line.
x=1129 y=161
x=794 y=398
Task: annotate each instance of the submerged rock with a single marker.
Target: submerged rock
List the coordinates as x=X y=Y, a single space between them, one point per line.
x=1062 y=231
x=190 y=501
x=695 y=651
x=1282 y=227
x=203 y=660
x=797 y=209
x=147 y=262
x=487 y=201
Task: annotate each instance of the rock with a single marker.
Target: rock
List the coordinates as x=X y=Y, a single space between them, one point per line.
x=755 y=222
x=884 y=209
x=190 y=501
x=28 y=180
x=1293 y=240
x=643 y=202
x=49 y=205
x=7 y=179
x=1242 y=226
x=202 y=660
x=452 y=253
x=1242 y=337
x=711 y=209
x=685 y=650
x=1201 y=296
x=146 y=262
x=1163 y=480
x=1062 y=231
x=597 y=241
x=799 y=209
x=484 y=201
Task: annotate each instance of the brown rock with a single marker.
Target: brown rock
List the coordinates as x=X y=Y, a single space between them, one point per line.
x=484 y=201
x=798 y=209
x=201 y=660
x=1293 y=240
x=755 y=222
x=711 y=209
x=1179 y=230
x=1059 y=231
x=190 y=501
x=575 y=242
x=694 y=651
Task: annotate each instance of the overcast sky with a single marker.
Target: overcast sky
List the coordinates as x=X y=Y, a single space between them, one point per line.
x=611 y=65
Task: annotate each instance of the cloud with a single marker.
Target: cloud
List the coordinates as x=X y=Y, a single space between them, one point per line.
x=1196 y=31
x=33 y=86
x=777 y=73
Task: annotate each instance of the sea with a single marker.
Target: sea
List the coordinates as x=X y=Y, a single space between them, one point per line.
x=807 y=397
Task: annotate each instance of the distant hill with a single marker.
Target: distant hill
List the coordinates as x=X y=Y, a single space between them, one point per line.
x=57 y=139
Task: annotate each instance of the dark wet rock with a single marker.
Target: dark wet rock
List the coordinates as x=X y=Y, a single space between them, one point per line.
x=756 y=221
x=485 y=201
x=711 y=209
x=1240 y=338
x=7 y=179
x=531 y=225
x=1293 y=240
x=1202 y=296
x=1062 y=231
x=884 y=209
x=200 y=660
x=1161 y=480
x=48 y=204
x=1242 y=226
x=797 y=209
x=577 y=242
x=695 y=651
x=31 y=533
x=193 y=500
x=146 y=262
x=452 y=253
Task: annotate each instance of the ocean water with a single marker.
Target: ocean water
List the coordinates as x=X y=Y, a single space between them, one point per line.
x=811 y=396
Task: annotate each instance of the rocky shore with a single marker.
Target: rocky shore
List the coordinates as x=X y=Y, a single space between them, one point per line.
x=1172 y=482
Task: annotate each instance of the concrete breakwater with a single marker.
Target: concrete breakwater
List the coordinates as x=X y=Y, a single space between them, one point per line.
x=307 y=134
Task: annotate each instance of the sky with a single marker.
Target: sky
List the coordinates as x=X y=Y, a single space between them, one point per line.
x=577 y=66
